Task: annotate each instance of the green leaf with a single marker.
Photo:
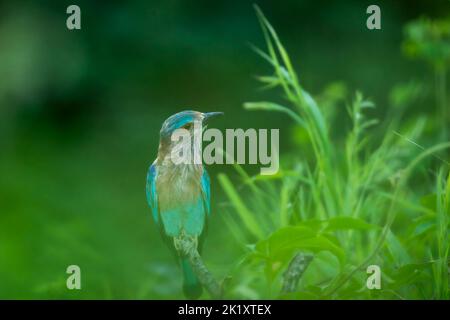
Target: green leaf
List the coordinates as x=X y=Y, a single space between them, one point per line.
x=348 y=223
x=270 y=106
x=284 y=242
x=322 y=269
x=396 y=248
x=429 y=201
x=408 y=274
x=244 y=213
x=301 y=295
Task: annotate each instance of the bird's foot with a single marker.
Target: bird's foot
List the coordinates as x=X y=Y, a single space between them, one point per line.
x=185 y=244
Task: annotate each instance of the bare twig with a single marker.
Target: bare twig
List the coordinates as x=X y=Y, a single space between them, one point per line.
x=187 y=246
x=295 y=270
x=204 y=276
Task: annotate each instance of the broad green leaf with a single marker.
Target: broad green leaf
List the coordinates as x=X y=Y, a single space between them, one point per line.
x=322 y=269
x=348 y=223
x=285 y=241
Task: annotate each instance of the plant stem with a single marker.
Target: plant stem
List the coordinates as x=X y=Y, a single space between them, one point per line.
x=295 y=270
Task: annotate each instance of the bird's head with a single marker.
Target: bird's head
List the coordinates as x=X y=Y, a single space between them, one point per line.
x=188 y=120
x=185 y=120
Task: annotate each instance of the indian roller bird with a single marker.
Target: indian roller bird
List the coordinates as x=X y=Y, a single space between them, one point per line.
x=179 y=193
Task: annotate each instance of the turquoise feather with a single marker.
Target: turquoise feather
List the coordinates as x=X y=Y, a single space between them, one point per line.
x=179 y=195
x=177 y=216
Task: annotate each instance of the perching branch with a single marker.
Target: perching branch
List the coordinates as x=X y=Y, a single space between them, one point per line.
x=295 y=270
x=187 y=246
x=204 y=276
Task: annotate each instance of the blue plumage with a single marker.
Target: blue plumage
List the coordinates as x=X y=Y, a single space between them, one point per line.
x=179 y=194
x=150 y=190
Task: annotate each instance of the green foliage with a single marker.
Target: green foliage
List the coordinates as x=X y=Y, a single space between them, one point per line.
x=429 y=40
x=346 y=204
x=80 y=114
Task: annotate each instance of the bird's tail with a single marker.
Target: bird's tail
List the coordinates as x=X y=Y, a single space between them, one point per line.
x=191 y=286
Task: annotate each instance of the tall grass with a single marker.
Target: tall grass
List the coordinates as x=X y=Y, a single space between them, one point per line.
x=347 y=203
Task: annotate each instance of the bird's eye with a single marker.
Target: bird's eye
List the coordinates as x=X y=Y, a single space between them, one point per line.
x=187 y=126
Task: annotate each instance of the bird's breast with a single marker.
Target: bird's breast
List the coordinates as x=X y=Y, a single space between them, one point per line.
x=178 y=186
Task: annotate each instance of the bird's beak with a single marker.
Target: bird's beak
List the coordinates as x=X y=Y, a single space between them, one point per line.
x=208 y=115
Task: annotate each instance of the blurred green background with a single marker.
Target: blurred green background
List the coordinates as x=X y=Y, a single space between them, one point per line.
x=80 y=114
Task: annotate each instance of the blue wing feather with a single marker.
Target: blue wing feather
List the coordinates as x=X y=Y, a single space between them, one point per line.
x=205 y=185
x=150 y=190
